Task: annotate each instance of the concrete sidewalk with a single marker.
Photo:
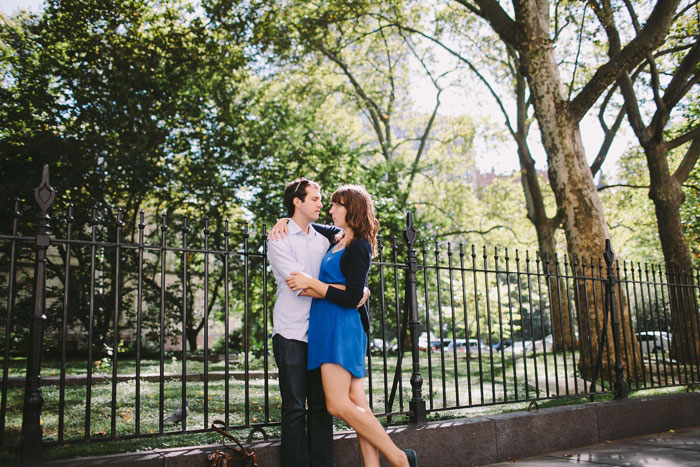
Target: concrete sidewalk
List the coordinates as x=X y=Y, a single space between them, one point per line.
x=672 y=448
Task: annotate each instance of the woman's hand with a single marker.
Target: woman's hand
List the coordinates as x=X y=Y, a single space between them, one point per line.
x=299 y=281
x=313 y=294
x=365 y=297
x=279 y=230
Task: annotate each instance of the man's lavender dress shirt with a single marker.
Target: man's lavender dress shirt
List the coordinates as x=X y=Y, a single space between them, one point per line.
x=296 y=252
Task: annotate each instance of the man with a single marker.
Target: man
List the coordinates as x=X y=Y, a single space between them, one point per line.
x=304 y=442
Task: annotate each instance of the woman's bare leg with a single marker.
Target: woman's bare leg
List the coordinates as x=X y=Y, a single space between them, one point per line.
x=357 y=395
x=370 y=454
x=337 y=382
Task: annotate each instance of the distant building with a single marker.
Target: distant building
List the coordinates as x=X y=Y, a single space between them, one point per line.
x=482 y=180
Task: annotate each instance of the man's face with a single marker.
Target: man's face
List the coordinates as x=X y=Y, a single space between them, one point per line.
x=310 y=208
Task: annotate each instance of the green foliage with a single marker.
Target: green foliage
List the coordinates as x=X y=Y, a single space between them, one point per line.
x=138 y=106
x=106 y=93
x=690 y=209
x=690 y=213
x=351 y=57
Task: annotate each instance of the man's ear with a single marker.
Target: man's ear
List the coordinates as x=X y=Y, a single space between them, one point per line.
x=296 y=202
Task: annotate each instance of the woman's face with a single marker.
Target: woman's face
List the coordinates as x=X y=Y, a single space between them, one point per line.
x=338 y=212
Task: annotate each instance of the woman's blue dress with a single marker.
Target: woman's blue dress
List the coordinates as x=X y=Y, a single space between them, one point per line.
x=335 y=333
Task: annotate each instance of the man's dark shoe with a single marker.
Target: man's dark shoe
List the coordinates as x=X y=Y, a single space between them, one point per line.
x=412 y=457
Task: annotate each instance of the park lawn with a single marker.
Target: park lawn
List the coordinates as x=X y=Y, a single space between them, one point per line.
x=78 y=366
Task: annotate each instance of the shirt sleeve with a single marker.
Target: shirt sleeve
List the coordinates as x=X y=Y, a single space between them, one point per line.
x=328 y=231
x=279 y=253
x=359 y=257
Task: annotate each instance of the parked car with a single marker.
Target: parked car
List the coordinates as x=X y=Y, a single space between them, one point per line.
x=654 y=341
x=504 y=344
x=437 y=345
x=519 y=347
x=545 y=345
x=423 y=341
x=378 y=346
x=460 y=345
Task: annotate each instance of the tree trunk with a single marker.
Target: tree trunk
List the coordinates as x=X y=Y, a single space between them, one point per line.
x=562 y=327
x=192 y=339
x=544 y=226
x=667 y=195
x=570 y=178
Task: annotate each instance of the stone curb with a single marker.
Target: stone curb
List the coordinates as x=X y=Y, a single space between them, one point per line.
x=472 y=441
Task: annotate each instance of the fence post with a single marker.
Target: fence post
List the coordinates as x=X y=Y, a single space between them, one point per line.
x=31 y=448
x=417 y=404
x=620 y=387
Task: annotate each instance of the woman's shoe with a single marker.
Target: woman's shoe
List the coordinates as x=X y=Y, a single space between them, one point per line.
x=412 y=457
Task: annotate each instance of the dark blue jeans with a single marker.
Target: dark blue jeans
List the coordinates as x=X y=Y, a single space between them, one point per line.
x=307 y=440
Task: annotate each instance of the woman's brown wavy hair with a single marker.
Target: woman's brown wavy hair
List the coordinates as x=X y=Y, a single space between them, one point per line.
x=360 y=216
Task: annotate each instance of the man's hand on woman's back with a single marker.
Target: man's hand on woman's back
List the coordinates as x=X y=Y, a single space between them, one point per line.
x=279 y=230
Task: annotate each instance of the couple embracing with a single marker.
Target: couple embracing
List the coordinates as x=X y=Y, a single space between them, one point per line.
x=321 y=324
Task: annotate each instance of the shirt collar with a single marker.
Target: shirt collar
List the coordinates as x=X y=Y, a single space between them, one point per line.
x=293 y=229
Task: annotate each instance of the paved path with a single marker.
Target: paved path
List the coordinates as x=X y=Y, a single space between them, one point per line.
x=673 y=448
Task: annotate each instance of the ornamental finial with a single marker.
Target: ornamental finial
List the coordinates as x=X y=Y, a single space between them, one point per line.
x=44 y=194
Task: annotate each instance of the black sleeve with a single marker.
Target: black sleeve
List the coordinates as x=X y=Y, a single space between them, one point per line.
x=328 y=231
x=355 y=266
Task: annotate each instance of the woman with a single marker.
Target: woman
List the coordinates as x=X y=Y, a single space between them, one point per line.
x=337 y=332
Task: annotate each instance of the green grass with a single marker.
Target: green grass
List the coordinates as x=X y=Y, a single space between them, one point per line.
x=172 y=364
x=485 y=395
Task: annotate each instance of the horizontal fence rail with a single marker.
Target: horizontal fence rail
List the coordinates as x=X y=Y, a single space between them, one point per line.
x=127 y=325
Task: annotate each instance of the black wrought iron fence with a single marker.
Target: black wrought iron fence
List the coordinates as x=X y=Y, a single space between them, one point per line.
x=120 y=317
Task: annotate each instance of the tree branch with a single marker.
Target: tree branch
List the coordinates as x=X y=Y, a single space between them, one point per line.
x=607 y=142
x=375 y=113
x=392 y=94
x=578 y=52
x=685 y=76
x=692 y=187
x=500 y=21
x=469 y=7
x=624 y=185
x=684 y=138
x=650 y=37
x=606 y=19
x=468 y=63
x=608 y=132
x=686 y=166
x=480 y=232
x=429 y=125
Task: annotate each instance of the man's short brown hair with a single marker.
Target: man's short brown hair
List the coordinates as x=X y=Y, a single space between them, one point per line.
x=296 y=189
